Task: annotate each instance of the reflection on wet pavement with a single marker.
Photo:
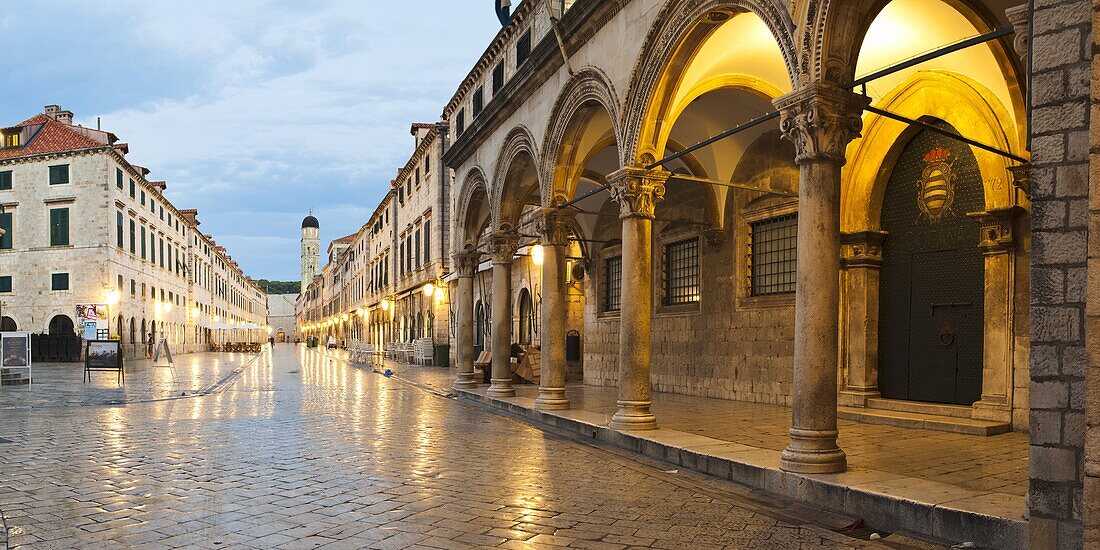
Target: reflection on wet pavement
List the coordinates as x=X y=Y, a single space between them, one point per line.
x=303 y=451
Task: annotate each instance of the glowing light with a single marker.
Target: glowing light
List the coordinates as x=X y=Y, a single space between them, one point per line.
x=537 y=254
x=113 y=297
x=168 y=307
x=429 y=290
x=385 y=305
x=344 y=317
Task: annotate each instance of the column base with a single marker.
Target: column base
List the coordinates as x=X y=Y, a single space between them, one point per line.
x=633 y=415
x=857 y=397
x=501 y=387
x=551 y=399
x=465 y=380
x=813 y=452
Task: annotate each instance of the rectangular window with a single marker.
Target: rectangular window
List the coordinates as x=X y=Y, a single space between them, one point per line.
x=162 y=212
x=120 y=241
x=160 y=255
x=133 y=237
x=479 y=100
x=5 y=180
x=460 y=122
x=523 y=48
x=772 y=255
x=133 y=288
x=418 y=177
x=427 y=165
x=682 y=272
x=613 y=283
x=143 y=197
x=120 y=284
x=427 y=241
x=143 y=252
x=417 y=240
x=152 y=246
x=59 y=174
x=8 y=238
x=133 y=188
x=59 y=281
x=118 y=178
x=5 y=283
x=498 y=77
x=59 y=227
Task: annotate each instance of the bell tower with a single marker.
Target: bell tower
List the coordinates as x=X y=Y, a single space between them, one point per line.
x=311 y=250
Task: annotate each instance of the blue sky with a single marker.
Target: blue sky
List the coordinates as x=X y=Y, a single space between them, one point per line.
x=254 y=111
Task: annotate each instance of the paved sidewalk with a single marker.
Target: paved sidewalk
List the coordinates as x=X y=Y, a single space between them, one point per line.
x=62 y=384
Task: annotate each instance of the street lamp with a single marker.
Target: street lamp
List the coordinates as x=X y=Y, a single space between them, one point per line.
x=537 y=254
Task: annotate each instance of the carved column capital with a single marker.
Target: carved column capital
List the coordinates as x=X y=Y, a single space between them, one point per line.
x=466 y=262
x=637 y=190
x=861 y=249
x=715 y=236
x=1021 y=177
x=554 y=226
x=820 y=119
x=502 y=246
x=1021 y=40
x=998 y=233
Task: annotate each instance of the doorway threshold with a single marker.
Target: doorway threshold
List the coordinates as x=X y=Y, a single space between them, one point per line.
x=930 y=416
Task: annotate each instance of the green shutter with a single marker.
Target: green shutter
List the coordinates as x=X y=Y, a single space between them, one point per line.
x=59 y=174
x=59 y=227
x=5 y=283
x=5 y=180
x=5 y=224
x=118 y=178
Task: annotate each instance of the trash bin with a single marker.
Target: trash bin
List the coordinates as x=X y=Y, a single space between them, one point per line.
x=442 y=356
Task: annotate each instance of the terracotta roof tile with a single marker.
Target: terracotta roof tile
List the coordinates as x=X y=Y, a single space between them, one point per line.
x=53 y=137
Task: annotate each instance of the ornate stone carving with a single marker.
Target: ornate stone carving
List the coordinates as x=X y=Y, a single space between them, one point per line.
x=820 y=120
x=997 y=229
x=1021 y=41
x=554 y=226
x=1021 y=177
x=715 y=236
x=637 y=190
x=862 y=249
x=503 y=245
x=466 y=262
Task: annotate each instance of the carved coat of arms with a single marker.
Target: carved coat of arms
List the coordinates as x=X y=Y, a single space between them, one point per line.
x=936 y=188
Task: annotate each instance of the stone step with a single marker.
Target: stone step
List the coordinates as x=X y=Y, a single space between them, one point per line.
x=939 y=409
x=941 y=423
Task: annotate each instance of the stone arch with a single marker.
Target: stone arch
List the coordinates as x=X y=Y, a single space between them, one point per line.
x=680 y=23
x=586 y=87
x=952 y=98
x=507 y=199
x=471 y=208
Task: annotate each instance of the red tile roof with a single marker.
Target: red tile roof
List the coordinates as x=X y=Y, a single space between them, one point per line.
x=346 y=238
x=54 y=137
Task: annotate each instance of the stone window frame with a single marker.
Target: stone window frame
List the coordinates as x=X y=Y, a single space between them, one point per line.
x=770 y=207
x=672 y=235
x=611 y=250
x=68 y=281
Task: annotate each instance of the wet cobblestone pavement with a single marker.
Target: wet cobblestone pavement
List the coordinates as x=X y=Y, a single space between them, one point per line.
x=304 y=451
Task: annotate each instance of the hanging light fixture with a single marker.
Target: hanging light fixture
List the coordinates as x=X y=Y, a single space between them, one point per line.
x=537 y=254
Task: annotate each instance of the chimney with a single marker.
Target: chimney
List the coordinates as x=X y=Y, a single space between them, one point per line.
x=55 y=112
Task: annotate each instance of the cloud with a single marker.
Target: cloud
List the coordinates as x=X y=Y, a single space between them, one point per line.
x=255 y=111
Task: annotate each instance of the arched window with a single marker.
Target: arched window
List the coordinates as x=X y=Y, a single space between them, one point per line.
x=120 y=328
x=61 y=324
x=7 y=324
x=419 y=325
x=479 y=324
x=133 y=329
x=526 y=316
x=144 y=334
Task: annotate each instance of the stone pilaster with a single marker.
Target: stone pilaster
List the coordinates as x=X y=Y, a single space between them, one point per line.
x=820 y=120
x=502 y=247
x=465 y=264
x=638 y=191
x=554 y=229
x=861 y=261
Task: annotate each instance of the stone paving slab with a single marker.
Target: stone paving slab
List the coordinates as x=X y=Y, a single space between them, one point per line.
x=942 y=484
x=62 y=384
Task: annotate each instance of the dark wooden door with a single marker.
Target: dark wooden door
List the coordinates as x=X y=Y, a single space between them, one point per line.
x=932 y=281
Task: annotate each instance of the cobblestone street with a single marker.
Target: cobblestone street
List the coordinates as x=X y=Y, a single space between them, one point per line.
x=304 y=451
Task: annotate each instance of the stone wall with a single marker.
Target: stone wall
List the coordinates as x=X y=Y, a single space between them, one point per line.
x=1060 y=48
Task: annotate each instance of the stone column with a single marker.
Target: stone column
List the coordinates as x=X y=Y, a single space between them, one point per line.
x=554 y=227
x=503 y=248
x=998 y=243
x=820 y=120
x=861 y=259
x=637 y=191
x=465 y=264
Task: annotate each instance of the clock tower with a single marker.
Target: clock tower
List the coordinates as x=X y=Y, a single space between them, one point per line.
x=311 y=250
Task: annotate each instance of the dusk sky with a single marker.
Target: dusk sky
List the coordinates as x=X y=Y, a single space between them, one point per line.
x=254 y=112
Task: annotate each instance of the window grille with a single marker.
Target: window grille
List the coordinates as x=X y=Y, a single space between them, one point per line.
x=772 y=254
x=613 y=283
x=682 y=272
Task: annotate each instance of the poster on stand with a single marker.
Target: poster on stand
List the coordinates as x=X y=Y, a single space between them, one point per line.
x=15 y=349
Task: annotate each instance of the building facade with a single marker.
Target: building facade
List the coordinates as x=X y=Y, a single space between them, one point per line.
x=875 y=234
x=84 y=226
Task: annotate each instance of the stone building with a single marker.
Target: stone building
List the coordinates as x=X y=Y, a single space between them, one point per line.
x=878 y=234
x=84 y=226
x=281 y=317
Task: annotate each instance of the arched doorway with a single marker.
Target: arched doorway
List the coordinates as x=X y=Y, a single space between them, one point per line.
x=7 y=324
x=526 y=315
x=61 y=324
x=931 y=297
x=479 y=326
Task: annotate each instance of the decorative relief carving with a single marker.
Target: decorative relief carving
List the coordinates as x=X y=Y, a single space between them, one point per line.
x=1021 y=41
x=862 y=249
x=715 y=236
x=997 y=229
x=466 y=262
x=820 y=120
x=1021 y=177
x=503 y=245
x=637 y=190
x=554 y=226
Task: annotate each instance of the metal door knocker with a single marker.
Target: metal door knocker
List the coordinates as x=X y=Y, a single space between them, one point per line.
x=947 y=334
